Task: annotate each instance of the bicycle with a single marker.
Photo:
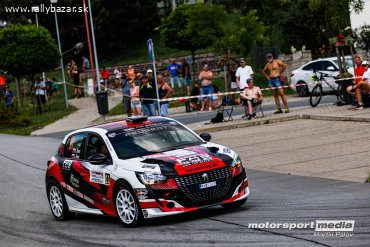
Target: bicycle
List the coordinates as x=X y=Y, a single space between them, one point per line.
x=316 y=93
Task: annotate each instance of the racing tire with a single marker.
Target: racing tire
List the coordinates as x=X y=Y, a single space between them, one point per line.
x=127 y=206
x=57 y=202
x=316 y=95
x=301 y=89
x=234 y=205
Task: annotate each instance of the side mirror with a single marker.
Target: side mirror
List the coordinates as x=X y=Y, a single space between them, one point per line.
x=206 y=136
x=98 y=159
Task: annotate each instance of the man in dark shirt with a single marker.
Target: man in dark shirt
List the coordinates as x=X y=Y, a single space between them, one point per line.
x=185 y=72
x=147 y=96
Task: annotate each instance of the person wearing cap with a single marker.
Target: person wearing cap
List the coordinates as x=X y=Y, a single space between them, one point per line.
x=251 y=96
x=206 y=77
x=243 y=73
x=151 y=80
x=273 y=69
x=174 y=70
x=8 y=96
x=363 y=86
x=147 y=96
x=359 y=71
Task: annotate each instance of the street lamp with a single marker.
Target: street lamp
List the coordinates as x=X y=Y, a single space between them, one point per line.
x=61 y=55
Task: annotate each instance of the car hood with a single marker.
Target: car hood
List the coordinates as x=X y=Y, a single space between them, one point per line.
x=182 y=161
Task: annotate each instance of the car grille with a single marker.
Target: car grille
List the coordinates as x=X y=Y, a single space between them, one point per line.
x=189 y=185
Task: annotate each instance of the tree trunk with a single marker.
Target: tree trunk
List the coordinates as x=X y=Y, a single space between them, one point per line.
x=19 y=94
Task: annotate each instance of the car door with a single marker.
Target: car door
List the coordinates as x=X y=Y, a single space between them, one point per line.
x=307 y=73
x=329 y=68
x=96 y=178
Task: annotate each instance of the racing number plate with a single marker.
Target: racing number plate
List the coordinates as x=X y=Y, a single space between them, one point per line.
x=207 y=185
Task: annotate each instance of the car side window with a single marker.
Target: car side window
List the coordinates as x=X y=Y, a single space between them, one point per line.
x=75 y=146
x=313 y=66
x=328 y=66
x=96 y=145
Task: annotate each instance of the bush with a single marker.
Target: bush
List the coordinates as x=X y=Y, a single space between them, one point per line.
x=12 y=117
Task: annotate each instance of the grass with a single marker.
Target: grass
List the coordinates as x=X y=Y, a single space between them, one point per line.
x=137 y=53
x=28 y=110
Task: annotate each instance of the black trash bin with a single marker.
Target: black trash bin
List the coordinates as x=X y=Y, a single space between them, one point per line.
x=102 y=101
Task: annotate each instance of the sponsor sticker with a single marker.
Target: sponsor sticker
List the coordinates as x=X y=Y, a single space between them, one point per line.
x=74 y=181
x=100 y=177
x=67 y=165
x=193 y=160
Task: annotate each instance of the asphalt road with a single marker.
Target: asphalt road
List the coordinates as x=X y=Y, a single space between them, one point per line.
x=26 y=219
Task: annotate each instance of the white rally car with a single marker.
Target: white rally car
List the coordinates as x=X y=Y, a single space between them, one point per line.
x=142 y=168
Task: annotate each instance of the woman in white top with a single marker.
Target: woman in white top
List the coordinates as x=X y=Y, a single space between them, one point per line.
x=118 y=74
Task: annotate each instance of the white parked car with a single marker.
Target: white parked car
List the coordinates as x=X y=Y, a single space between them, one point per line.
x=301 y=78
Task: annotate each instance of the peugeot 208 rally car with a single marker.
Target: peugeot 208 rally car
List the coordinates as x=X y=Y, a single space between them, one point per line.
x=142 y=168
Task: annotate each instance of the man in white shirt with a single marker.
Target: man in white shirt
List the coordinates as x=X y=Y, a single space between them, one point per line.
x=363 y=86
x=39 y=89
x=243 y=73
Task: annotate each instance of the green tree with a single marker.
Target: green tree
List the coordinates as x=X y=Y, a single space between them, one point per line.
x=27 y=50
x=363 y=37
x=195 y=27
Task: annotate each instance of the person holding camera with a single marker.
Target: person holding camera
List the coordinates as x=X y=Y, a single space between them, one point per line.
x=252 y=96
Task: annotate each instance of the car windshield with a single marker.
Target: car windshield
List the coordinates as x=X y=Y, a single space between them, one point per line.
x=150 y=139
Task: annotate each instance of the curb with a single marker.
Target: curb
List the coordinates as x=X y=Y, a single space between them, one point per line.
x=282 y=119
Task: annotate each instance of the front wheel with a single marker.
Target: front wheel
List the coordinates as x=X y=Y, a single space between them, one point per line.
x=234 y=205
x=316 y=95
x=57 y=202
x=127 y=207
x=302 y=89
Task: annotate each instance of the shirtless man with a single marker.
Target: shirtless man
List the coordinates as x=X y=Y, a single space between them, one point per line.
x=275 y=68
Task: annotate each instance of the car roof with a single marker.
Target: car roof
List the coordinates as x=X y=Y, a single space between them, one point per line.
x=124 y=124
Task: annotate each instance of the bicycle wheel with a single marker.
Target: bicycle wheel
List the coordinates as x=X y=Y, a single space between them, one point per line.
x=316 y=95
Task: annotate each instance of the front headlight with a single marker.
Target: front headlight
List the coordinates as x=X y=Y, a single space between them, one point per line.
x=151 y=177
x=236 y=166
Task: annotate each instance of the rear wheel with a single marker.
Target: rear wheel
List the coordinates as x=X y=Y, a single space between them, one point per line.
x=316 y=95
x=57 y=202
x=302 y=89
x=234 y=205
x=127 y=207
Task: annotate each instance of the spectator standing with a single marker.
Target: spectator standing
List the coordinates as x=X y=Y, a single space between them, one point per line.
x=39 y=89
x=185 y=72
x=275 y=69
x=232 y=79
x=174 y=71
x=151 y=80
x=243 y=73
x=206 y=77
x=126 y=93
x=359 y=71
x=251 y=96
x=104 y=74
x=85 y=64
x=135 y=97
x=363 y=86
x=131 y=72
x=75 y=73
x=117 y=76
x=164 y=90
x=8 y=96
x=147 y=96
x=50 y=88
